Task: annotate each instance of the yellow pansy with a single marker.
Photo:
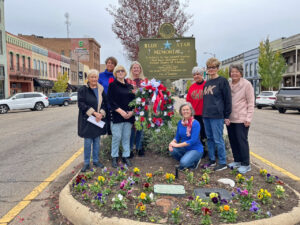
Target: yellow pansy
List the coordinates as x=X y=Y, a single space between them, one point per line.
x=143 y=195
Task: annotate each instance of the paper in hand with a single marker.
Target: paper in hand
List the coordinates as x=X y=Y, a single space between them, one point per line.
x=92 y=120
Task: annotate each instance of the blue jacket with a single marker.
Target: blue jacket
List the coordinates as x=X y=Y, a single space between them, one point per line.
x=193 y=141
x=104 y=79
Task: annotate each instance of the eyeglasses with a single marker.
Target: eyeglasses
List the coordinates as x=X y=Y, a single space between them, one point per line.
x=198 y=74
x=119 y=71
x=211 y=67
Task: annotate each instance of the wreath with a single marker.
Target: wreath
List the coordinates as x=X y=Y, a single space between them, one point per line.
x=153 y=105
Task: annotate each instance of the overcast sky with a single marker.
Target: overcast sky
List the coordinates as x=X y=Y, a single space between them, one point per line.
x=222 y=27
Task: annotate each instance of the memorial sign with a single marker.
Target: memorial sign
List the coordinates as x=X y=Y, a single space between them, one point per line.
x=167 y=58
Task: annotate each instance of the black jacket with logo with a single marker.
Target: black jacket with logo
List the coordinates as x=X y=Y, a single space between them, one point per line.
x=217 y=99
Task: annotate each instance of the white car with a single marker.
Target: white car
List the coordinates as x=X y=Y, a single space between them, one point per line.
x=27 y=100
x=73 y=97
x=266 y=98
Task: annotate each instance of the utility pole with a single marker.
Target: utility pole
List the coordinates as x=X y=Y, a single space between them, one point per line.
x=68 y=23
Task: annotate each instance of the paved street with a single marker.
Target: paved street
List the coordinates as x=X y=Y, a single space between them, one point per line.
x=32 y=146
x=276 y=137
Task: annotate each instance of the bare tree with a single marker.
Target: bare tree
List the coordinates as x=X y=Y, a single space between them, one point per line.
x=136 y=19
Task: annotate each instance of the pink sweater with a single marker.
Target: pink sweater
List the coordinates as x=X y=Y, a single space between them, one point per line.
x=242 y=101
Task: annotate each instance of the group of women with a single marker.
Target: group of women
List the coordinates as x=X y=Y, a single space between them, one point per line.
x=209 y=105
x=106 y=97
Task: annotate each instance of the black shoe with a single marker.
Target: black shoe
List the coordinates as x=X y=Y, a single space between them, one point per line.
x=131 y=154
x=211 y=163
x=141 y=152
x=114 y=162
x=196 y=165
x=85 y=167
x=98 y=164
x=220 y=167
x=126 y=161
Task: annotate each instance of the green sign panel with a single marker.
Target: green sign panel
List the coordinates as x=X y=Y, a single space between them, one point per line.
x=167 y=58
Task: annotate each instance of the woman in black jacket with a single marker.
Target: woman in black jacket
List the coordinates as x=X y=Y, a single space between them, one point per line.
x=91 y=102
x=120 y=94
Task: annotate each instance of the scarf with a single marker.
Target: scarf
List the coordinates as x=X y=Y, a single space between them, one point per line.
x=188 y=124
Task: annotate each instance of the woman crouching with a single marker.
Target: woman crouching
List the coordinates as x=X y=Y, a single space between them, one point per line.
x=186 y=146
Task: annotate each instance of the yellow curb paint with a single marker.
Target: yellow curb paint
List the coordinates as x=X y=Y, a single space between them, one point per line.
x=37 y=190
x=287 y=173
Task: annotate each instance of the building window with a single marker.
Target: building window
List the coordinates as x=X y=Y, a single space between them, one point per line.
x=39 y=66
x=23 y=62
x=246 y=70
x=29 y=63
x=18 y=62
x=62 y=52
x=34 y=64
x=42 y=69
x=50 y=75
x=1 y=46
x=11 y=60
x=2 y=72
x=46 y=69
x=251 y=67
x=255 y=69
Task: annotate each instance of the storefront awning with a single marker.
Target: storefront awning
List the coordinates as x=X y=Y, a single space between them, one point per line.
x=71 y=87
x=43 y=83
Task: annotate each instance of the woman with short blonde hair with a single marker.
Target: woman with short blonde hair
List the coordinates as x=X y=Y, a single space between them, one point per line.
x=120 y=95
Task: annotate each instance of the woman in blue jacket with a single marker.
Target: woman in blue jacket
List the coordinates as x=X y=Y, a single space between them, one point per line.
x=186 y=146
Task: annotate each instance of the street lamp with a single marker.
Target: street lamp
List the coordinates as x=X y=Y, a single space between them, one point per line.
x=209 y=53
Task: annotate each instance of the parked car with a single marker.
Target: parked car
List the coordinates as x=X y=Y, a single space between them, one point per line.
x=288 y=98
x=73 y=97
x=27 y=100
x=265 y=99
x=61 y=99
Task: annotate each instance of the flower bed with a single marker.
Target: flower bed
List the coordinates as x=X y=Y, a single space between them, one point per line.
x=128 y=193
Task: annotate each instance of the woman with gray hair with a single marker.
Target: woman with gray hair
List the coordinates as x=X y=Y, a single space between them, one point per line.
x=240 y=118
x=195 y=97
x=91 y=102
x=186 y=146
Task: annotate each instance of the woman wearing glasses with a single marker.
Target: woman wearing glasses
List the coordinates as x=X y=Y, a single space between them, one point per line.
x=216 y=110
x=119 y=96
x=195 y=97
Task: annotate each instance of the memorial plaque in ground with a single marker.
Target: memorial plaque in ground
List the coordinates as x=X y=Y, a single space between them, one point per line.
x=172 y=58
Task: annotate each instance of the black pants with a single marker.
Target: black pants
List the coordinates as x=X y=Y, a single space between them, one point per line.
x=202 y=131
x=108 y=120
x=238 y=138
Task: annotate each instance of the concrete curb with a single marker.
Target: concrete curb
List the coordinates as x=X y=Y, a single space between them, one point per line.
x=79 y=214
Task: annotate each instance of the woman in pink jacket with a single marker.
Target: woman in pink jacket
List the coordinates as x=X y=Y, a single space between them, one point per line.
x=240 y=118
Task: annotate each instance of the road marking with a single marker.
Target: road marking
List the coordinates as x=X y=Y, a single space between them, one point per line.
x=37 y=190
x=287 y=173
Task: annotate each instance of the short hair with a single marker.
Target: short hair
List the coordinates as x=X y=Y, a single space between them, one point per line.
x=130 y=72
x=213 y=62
x=237 y=66
x=119 y=67
x=112 y=59
x=189 y=105
x=92 y=72
x=197 y=70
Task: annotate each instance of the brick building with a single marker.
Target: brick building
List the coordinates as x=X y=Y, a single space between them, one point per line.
x=84 y=50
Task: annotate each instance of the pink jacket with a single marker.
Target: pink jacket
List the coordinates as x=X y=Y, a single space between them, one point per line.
x=242 y=101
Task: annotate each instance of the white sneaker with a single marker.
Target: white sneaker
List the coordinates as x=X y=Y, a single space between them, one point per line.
x=234 y=165
x=244 y=169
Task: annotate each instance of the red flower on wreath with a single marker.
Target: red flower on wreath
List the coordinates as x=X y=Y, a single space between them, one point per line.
x=170 y=114
x=149 y=125
x=143 y=99
x=148 y=87
x=136 y=110
x=168 y=93
x=146 y=107
x=170 y=100
x=142 y=119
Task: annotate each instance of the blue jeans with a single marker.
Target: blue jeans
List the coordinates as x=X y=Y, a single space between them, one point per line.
x=120 y=132
x=88 y=142
x=214 y=132
x=136 y=138
x=187 y=158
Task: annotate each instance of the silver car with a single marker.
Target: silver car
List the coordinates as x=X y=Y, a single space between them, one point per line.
x=266 y=98
x=288 y=98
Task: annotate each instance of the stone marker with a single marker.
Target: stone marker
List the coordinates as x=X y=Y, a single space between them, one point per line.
x=203 y=193
x=167 y=203
x=227 y=181
x=169 y=189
